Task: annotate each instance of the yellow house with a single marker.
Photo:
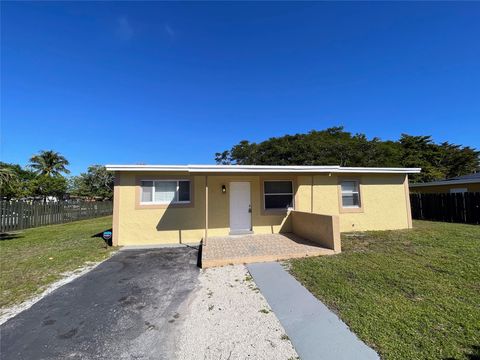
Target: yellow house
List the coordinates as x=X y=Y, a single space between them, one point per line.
x=459 y=184
x=172 y=204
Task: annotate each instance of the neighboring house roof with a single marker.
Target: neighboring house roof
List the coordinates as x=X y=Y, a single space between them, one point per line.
x=464 y=179
x=262 y=169
x=469 y=176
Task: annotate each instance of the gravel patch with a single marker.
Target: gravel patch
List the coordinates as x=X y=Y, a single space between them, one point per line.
x=228 y=318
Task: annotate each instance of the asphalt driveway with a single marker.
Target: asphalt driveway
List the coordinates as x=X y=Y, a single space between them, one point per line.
x=126 y=308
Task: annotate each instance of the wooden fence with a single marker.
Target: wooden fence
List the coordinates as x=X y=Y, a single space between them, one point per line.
x=18 y=215
x=459 y=208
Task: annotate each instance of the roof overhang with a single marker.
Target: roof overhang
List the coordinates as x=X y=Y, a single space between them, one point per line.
x=446 y=182
x=262 y=169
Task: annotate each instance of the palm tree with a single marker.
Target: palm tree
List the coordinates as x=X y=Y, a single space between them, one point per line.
x=49 y=163
x=7 y=175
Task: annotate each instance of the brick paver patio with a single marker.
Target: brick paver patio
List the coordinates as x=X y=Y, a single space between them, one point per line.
x=243 y=249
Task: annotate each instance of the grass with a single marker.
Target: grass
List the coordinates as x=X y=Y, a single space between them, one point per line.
x=410 y=294
x=34 y=258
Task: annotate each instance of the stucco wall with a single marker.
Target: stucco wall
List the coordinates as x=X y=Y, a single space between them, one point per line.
x=186 y=225
x=475 y=187
x=384 y=206
x=384 y=200
x=321 y=229
x=152 y=226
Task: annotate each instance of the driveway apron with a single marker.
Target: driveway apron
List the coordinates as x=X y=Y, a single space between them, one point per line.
x=126 y=308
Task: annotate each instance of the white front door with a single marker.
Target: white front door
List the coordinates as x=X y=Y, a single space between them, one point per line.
x=240 y=208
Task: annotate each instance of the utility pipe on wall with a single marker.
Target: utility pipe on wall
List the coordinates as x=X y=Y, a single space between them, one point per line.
x=206 y=211
x=311 y=196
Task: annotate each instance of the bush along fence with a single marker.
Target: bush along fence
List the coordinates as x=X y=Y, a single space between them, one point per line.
x=459 y=208
x=18 y=215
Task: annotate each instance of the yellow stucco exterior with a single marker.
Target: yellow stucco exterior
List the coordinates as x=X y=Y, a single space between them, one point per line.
x=384 y=199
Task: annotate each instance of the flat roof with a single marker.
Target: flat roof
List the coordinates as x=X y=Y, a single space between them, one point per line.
x=464 y=179
x=468 y=176
x=262 y=169
x=446 y=182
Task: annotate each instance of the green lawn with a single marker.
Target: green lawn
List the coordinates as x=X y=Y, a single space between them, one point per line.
x=410 y=294
x=33 y=258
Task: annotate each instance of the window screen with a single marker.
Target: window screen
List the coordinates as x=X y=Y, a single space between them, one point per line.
x=184 y=191
x=147 y=191
x=350 y=194
x=165 y=191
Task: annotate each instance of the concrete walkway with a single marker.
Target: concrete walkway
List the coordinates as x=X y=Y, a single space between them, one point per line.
x=315 y=331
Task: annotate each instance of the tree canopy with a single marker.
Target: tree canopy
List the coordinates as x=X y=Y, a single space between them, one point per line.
x=334 y=146
x=43 y=178
x=49 y=163
x=97 y=182
x=17 y=183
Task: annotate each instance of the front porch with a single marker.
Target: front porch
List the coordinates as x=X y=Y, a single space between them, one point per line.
x=242 y=249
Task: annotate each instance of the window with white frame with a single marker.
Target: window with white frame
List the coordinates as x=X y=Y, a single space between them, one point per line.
x=165 y=191
x=278 y=194
x=350 y=194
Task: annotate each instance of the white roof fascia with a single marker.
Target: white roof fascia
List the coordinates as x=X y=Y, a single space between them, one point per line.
x=146 y=167
x=261 y=168
x=377 y=170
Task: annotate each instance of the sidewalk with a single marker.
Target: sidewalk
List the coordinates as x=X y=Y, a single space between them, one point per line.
x=315 y=331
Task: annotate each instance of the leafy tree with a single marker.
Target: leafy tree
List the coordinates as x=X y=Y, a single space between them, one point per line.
x=456 y=160
x=45 y=186
x=7 y=175
x=334 y=146
x=223 y=158
x=420 y=151
x=26 y=183
x=49 y=163
x=15 y=181
x=97 y=182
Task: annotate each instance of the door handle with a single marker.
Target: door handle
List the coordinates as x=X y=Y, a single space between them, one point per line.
x=250 y=208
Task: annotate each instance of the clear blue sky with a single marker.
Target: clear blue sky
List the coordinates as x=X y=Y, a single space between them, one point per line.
x=166 y=83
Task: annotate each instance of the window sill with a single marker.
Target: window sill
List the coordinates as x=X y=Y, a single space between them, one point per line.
x=165 y=204
x=276 y=211
x=146 y=206
x=346 y=210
